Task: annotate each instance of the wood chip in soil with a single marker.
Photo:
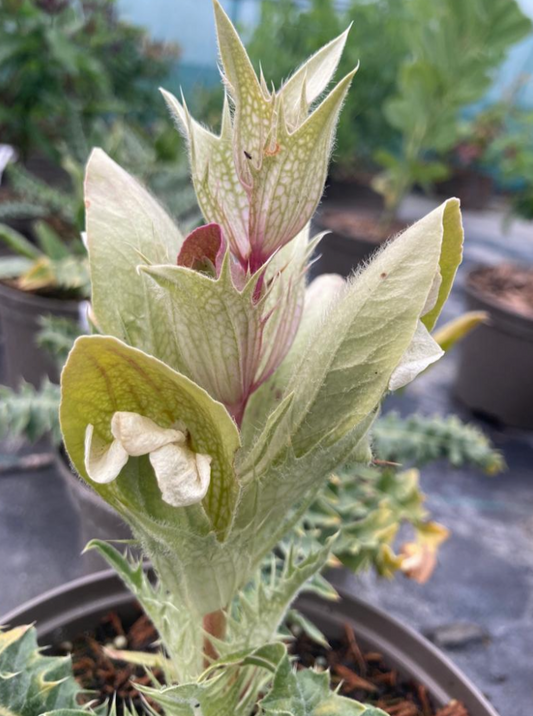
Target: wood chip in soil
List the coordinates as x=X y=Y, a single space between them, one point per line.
x=365 y=676
x=362 y=674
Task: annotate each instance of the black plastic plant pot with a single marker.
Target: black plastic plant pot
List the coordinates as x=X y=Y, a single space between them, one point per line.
x=496 y=363
x=345 y=248
x=340 y=253
x=63 y=613
x=474 y=188
x=96 y=519
x=20 y=312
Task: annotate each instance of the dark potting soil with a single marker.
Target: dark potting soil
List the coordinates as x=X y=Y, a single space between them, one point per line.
x=357 y=224
x=363 y=675
x=509 y=285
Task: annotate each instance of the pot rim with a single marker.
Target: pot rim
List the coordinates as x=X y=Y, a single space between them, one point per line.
x=500 y=309
x=34 y=300
x=102 y=591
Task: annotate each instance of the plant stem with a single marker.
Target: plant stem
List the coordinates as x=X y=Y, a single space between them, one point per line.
x=215 y=625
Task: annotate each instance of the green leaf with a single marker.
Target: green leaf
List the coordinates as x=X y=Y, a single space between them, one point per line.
x=103 y=376
x=139 y=658
x=178 y=627
x=229 y=687
x=307 y=693
x=18 y=243
x=260 y=609
x=350 y=361
x=289 y=181
x=216 y=328
x=254 y=109
x=212 y=162
x=126 y=227
x=454 y=331
x=281 y=485
x=70 y=274
x=37 y=193
x=14 y=266
x=216 y=697
x=312 y=78
x=30 y=412
x=279 y=154
x=57 y=336
x=296 y=618
x=365 y=506
x=132 y=574
x=50 y=242
x=420 y=439
x=31 y=683
x=450 y=258
x=319 y=297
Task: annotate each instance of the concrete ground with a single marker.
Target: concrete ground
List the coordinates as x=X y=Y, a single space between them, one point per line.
x=485 y=577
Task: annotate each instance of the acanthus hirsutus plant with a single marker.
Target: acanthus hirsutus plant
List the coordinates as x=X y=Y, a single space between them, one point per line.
x=221 y=392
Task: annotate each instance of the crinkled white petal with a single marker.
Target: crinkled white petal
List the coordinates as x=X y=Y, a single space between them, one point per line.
x=183 y=476
x=103 y=461
x=422 y=352
x=140 y=435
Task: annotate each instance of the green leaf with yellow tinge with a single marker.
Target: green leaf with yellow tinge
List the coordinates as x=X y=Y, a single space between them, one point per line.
x=103 y=376
x=454 y=331
x=450 y=257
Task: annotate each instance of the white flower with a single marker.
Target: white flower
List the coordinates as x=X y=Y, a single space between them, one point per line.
x=183 y=476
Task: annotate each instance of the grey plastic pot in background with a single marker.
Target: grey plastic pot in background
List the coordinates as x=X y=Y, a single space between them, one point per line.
x=495 y=376
x=63 y=613
x=97 y=520
x=20 y=312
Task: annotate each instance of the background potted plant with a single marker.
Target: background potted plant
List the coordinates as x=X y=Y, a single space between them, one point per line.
x=97 y=66
x=434 y=83
x=49 y=275
x=211 y=474
x=493 y=376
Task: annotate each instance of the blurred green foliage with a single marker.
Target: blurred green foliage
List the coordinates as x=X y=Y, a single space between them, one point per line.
x=375 y=39
x=54 y=262
x=422 y=63
x=454 y=48
x=65 y=61
x=513 y=152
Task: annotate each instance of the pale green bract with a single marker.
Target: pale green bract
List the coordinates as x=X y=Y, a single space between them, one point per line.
x=263 y=177
x=225 y=392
